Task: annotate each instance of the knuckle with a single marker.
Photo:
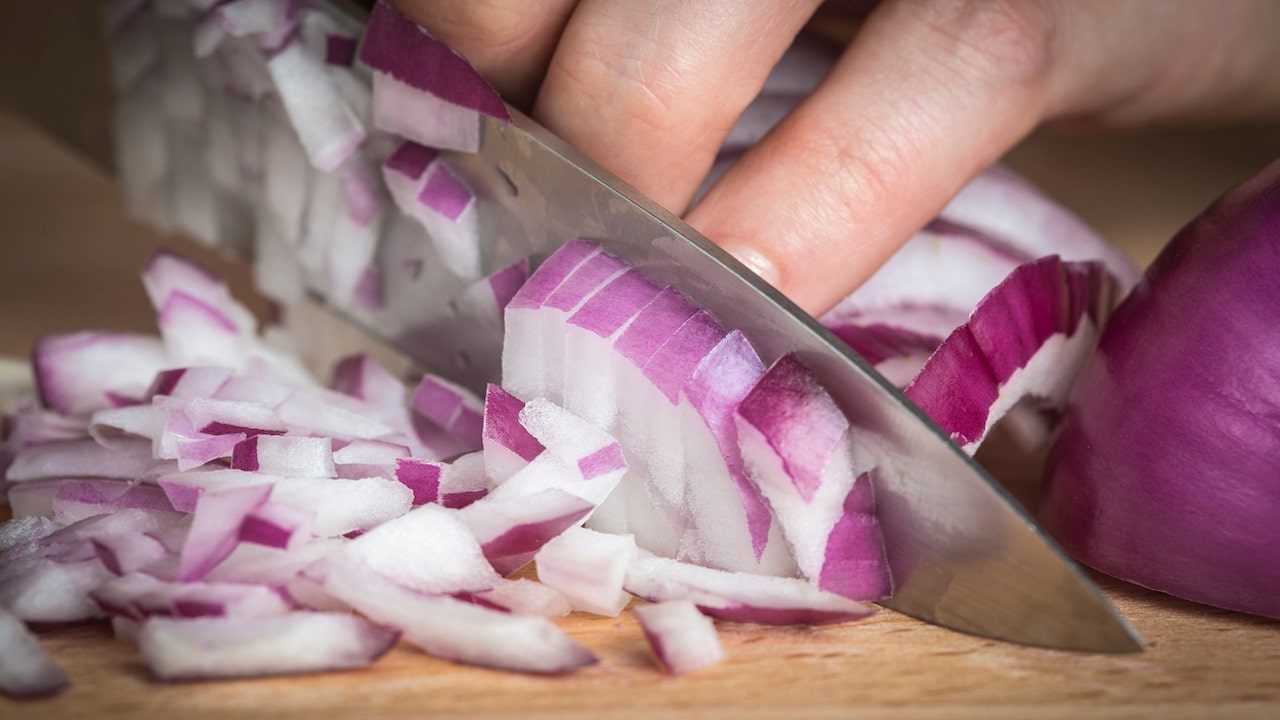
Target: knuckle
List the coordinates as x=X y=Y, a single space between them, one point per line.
x=1001 y=41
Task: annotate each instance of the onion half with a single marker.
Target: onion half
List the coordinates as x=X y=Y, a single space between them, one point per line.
x=1164 y=470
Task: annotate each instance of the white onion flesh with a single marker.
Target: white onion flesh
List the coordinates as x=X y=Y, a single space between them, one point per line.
x=682 y=638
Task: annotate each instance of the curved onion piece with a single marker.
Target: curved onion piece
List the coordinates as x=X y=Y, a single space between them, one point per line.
x=166 y=272
x=508 y=446
x=395 y=45
x=941 y=266
x=682 y=638
x=1164 y=471
x=196 y=648
x=1028 y=337
x=80 y=498
x=140 y=595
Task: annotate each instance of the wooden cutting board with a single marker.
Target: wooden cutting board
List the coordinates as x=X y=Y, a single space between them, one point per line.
x=70 y=262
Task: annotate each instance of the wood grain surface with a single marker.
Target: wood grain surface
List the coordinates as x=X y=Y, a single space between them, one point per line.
x=70 y=261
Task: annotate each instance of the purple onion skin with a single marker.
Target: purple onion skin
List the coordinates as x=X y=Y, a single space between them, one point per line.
x=1166 y=471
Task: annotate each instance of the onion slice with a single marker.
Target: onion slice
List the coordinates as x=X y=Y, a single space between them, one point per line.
x=1028 y=337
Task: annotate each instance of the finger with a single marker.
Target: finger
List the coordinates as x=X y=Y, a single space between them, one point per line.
x=650 y=88
x=509 y=41
x=928 y=94
x=1134 y=63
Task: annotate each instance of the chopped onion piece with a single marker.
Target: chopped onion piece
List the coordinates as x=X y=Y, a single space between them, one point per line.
x=512 y=529
x=589 y=568
x=215 y=527
x=740 y=597
x=327 y=127
x=798 y=451
x=423 y=90
x=75 y=372
x=682 y=638
x=300 y=642
x=454 y=564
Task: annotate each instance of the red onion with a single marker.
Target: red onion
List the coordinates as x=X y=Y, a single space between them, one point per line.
x=1163 y=473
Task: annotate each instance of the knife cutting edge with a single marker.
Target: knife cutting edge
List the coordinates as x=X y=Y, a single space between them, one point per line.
x=962 y=553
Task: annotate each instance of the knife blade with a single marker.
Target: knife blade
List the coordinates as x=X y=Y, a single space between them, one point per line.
x=963 y=554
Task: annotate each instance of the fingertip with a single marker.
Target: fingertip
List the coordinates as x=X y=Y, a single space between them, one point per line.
x=755 y=261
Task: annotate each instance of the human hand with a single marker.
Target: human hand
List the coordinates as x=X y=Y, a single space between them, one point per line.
x=926 y=94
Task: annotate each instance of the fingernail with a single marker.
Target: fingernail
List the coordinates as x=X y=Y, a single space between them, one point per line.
x=757 y=262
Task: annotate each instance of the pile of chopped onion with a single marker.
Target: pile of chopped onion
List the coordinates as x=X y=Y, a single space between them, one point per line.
x=232 y=516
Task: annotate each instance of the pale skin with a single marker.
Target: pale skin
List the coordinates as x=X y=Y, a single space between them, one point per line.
x=925 y=95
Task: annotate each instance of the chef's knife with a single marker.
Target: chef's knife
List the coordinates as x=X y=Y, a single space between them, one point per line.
x=963 y=554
